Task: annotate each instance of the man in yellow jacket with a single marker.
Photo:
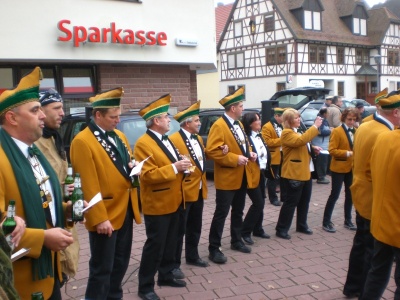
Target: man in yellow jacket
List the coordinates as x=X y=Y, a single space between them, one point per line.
x=102 y=156
x=194 y=185
x=27 y=177
x=385 y=217
x=161 y=198
x=232 y=175
x=361 y=192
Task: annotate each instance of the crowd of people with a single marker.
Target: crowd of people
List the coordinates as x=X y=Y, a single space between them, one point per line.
x=278 y=160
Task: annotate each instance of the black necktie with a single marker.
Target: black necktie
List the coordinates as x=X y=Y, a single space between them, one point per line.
x=33 y=151
x=193 y=136
x=258 y=135
x=164 y=137
x=111 y=134
x=235 y=123
x=351 y=130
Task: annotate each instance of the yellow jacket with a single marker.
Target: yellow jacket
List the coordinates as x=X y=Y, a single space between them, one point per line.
x=191 y=184
x=33 y=238
x=385 y=221
x=273 y=142
x=339 y=144
x=361 y=189
x=227 y=174
x=160 y=187
x=99 y=174
x=296 y=156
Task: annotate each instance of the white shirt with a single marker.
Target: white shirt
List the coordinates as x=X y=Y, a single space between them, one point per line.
x=169 y=147
x=260 y=150
x=239 y=132
x=197 y=150
x=39 y=173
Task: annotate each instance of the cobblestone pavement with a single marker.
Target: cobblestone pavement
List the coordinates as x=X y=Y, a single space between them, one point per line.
x=305 y=267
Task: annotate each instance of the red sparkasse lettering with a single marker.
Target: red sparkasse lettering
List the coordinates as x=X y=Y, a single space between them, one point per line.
x=115 y=38
x=151 y=40
x=140 y=36
x=80 y=35
x=68 y=33
x=129 y=38
x=161 y=37
x=94 y=36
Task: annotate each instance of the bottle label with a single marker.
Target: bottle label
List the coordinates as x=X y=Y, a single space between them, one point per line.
x=77 y=209
x=9 y=242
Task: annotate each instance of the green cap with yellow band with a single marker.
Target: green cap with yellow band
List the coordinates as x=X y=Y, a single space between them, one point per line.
x=193 y=110
x=156 y=108
x=26 y=91
x=390 y=101
x=279 y=110
x=235 y=97
x=108 y=99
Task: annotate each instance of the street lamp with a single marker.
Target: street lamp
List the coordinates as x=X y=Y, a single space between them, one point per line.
x=377 y=59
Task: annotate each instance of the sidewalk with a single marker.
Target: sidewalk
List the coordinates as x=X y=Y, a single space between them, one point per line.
x=305 y=267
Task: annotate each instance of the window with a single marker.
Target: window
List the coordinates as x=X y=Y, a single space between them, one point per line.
x=360 y=21
x=48 y=81
x=393 y=58
x=238 y=30
x=312 y=20
x=6 y=79
x=271 y=56
x=362 y=56
x=340 y=88
x=340 y=56
x=231 y=89
x=317 y=54
x=77 y=81
x=236 y=61
x=281 y=55
x=269 y=23
x=280 y=86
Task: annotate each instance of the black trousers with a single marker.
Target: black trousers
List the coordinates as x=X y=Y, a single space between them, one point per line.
x=109 y=261
x=190 y=223
x=159 y=250
x=379 y=274
x=321 y=165
x=255 y=215
x=360 y=257
x=224 y=200
x=272 y=184
x=337 y=181
x=295 y=198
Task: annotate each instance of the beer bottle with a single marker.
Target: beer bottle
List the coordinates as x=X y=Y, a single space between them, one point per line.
x=9 y=224
x=135 y=180
x=37 y=296
x=77 y=200
x=68 y=180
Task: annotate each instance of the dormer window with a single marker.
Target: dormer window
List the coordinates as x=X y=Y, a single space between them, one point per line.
x=360 y=21
x=309 y=14
x=312 y=20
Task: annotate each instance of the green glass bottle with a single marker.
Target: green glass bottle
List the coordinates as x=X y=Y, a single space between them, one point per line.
x=77 y=200
x=68 y=180
x=37 y=296
x=9 y=224
x=135 y=178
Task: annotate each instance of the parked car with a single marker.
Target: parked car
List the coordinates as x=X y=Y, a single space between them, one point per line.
x=131 y=124
x=308 y=116
x=367 y=106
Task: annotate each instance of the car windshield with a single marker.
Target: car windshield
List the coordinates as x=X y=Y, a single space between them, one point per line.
x=309 y=114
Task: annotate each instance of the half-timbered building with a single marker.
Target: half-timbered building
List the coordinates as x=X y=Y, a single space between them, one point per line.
x=269 y=45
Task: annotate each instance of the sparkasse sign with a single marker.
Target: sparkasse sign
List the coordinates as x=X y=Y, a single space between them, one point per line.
x=80 y=35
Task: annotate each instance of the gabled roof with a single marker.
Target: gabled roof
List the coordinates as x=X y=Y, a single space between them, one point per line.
x=334 y=30
x=346 y=8
x=378 y=23
x=367 y=70
x=392 y=5
x=222 y=13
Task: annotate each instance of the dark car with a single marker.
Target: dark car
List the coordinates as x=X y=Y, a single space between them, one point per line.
x=131 y=124
x=207 y=119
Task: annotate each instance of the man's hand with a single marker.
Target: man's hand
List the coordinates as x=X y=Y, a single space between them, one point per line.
x=183 y=165
x=318 y=122
x=224 y=148
x=242 y=160
x=253 y=156
x=18 y=231
x=317 y=149
x=68 y=210
x=57 y=239
x=69 y=188
x=105 y=228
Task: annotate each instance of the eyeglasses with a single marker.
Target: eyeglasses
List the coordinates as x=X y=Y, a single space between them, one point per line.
x=351 y=119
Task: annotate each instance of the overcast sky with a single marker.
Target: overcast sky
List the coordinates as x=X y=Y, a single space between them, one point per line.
x=370 y=2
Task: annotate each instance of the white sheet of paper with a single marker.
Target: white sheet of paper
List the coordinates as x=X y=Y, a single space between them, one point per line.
x=96 y=199
x=324 y=152
x=138 y=168
x=20 y=253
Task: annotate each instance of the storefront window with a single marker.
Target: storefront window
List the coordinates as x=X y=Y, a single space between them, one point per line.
x=48 y=81
x=77 y=81
x=6 y=79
